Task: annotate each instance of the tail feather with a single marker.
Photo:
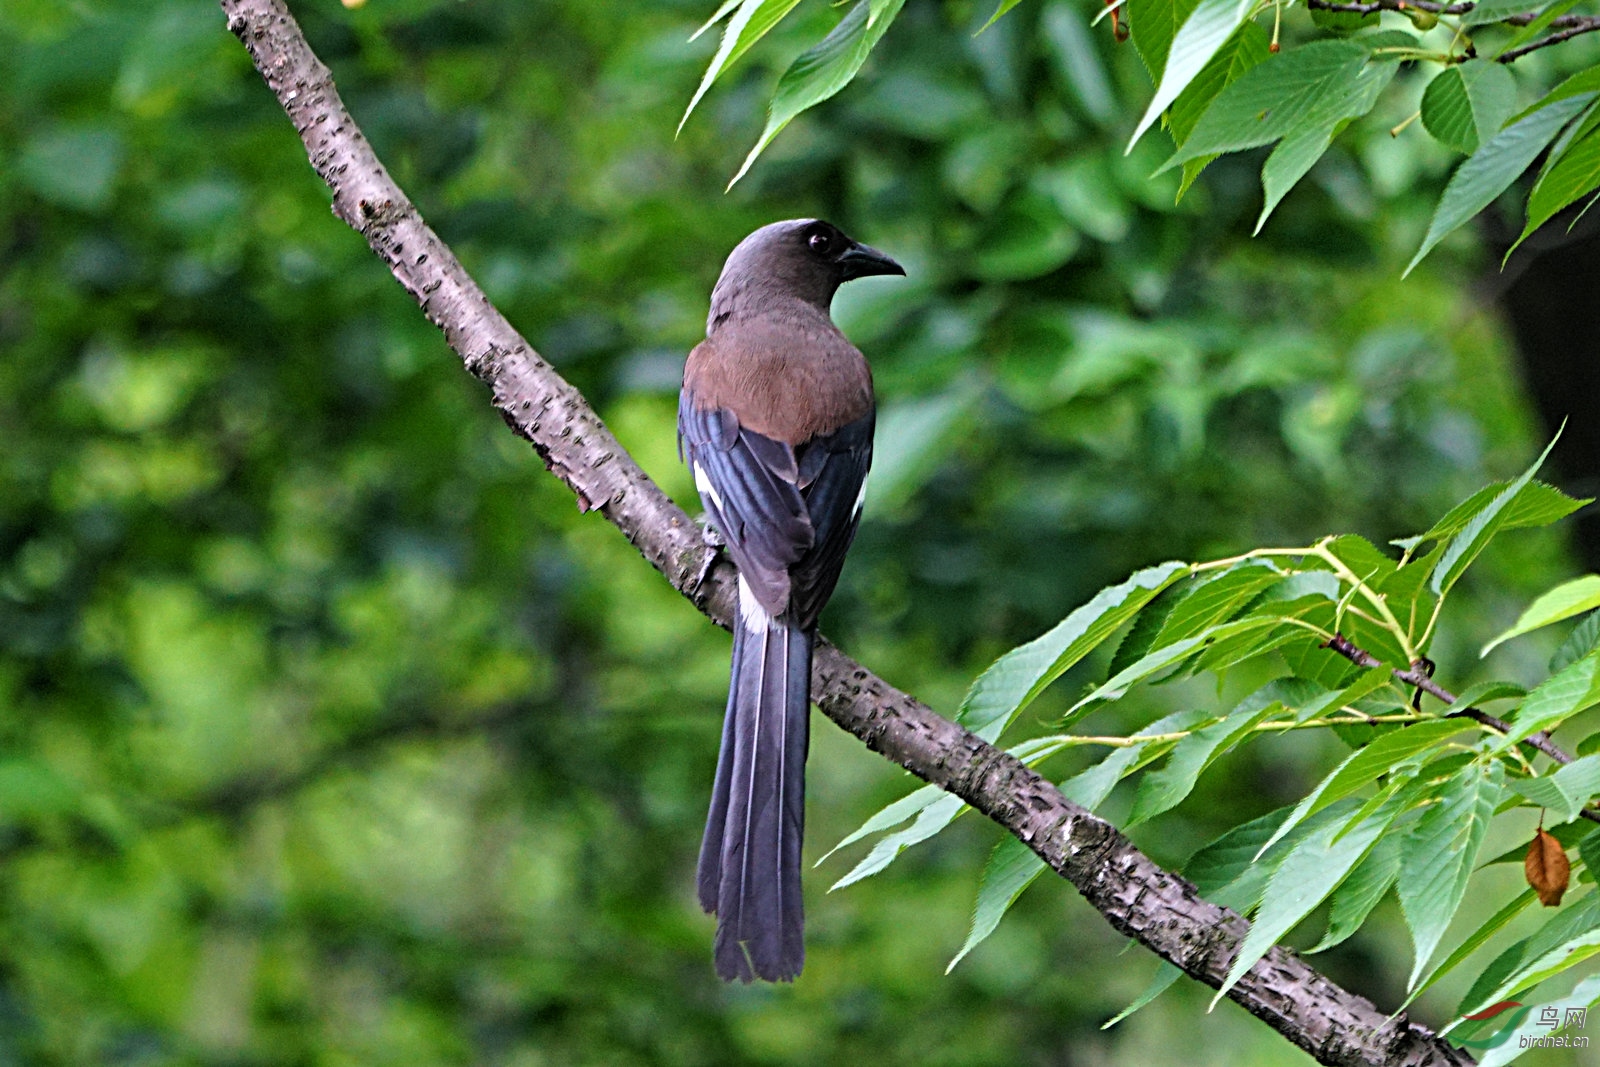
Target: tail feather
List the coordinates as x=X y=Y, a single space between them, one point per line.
x=750 y=857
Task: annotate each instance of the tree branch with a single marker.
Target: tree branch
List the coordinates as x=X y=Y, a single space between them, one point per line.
x=1138 y=898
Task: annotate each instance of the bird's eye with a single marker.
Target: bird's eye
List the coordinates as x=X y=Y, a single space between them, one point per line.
x=820 y=243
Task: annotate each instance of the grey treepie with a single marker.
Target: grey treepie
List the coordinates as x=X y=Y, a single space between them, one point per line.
x=775 y=422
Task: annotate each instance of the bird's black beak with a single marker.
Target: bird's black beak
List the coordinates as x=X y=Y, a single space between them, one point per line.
x=863 y=261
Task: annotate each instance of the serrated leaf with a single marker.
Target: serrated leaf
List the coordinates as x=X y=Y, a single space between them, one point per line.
x=1354 y=900
x=1481 y=528
x=1579 y=643
x=887 y=818
x=749 y=24
x=1012 y=867
x=1166 y=788
x=1538 y=504
x=1589 y=850
x=1309 y=873
x=1013 y=681
x=1440 y=854
x=1154 y=24
x=1479 y=937
x=1494 y=166
x=1302 y=99
x=1572 y=173
x=1216 y=600
x=824 y=69
x=1202 y=34
x=1160 y=659
x=1000 y=9
x=1571 y=936
x=1009 y=872
x=1556 y=699
x=1564 y=793
x=1467 y=104
x=929 y=821
x=1165 y=975
x=1309 y=88
x=1486 y=11
x=1364 y=765
x=1562 y=602
x=1246 y=49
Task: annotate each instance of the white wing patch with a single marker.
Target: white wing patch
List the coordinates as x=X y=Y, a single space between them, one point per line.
x=861 y=499
x=703 y=483
x=751 y=613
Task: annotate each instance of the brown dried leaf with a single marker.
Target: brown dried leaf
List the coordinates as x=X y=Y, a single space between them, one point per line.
x=1547 y=868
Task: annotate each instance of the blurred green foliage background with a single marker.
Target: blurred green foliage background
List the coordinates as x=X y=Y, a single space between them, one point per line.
x=331 y=733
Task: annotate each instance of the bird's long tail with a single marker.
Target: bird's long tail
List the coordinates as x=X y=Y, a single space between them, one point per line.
x=750 y=857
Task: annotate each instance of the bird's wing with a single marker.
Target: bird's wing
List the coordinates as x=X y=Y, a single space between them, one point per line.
x=750 y=486
x=833 y=476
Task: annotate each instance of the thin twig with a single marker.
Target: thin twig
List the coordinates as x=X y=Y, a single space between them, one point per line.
x=1415 y=677
x=1566 y=26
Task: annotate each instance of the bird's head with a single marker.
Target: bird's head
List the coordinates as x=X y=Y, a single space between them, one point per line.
x=799 y=258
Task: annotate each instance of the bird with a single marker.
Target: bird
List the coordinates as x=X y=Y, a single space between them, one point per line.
x=775 y=423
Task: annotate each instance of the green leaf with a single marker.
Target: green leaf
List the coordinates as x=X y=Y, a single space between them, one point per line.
x=887 y=818
x=1487 y=11
x=1562 y=602
x=1533 y=29
x=929 y=821
x=1292 y=93
x=1571 y=936
x=1009 y=872
x=1494 y=166
x=1202 y=34
x=1565 y=793
x=1555 y=700
x=1486 y=693
x=1154 y=23
x=1166 y=788
x=1343 y=21
x=1589 y=849
x=1365 y=765
x=1314 y=869
x=1000 y=9
x=716 y=16
x=1302 y=98
x=1537 y=504
x=1215 y=600
x=749 y=24
x=1481 y=528
x=1166 y=656
x=1354 y=900
x=1579 y=643
x=1165 y=975
x=824 y=69
x=1573 y=173
x=1014 y=680
x=1246 y=49
x=1012 y=867
x=1466 y=104
x=1440 y=854
x=1479 y=937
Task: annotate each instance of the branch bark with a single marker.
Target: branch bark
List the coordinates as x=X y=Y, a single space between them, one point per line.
x=1139 y=898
